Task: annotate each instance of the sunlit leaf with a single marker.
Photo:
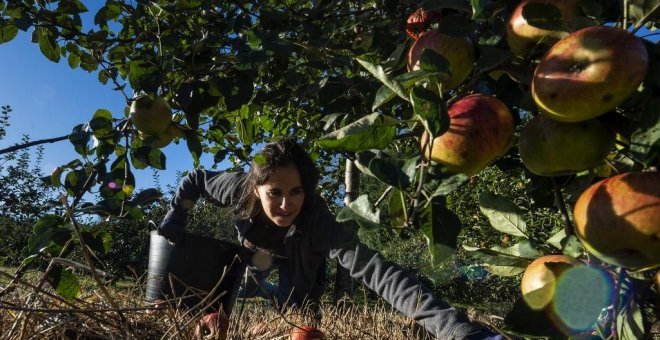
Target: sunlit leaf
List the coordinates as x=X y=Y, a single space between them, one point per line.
x=630 y=322
x=361 y=211
x=47 y=44
x=377 y=71
x=375 y=131
x=502 y=214
x=65 y=283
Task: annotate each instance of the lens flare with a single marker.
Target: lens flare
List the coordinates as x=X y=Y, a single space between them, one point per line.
x=581 y=295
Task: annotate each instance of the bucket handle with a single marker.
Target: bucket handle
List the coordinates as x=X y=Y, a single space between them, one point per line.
x=152 y=225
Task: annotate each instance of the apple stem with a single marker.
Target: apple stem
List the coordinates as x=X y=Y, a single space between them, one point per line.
x=561 y=205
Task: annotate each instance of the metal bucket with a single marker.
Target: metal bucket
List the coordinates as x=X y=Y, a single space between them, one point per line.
x=200 y=272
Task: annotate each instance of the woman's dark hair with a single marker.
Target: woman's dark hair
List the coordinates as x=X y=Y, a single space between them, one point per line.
x=274 y=155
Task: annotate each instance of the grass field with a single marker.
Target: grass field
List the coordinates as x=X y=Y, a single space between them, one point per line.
x=31 y=312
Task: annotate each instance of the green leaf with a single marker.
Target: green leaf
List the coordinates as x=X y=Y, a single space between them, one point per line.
x=47 y=44
x=406 y=80
x=434 y=62
x=49 y=234
x=80 y=137
x=245 y=129
x=450 y=184
x=395 y=172
x=375 y=131
x=194 y=146
x=361 y=211
x=647 y=136
x=7 y=31
x=147 y=196
x=56 y=177
x=545 y=16
x=101 y=123
x=430 y=110
x=65 y=283
x=147 y=156
x=74 y=181
x=397 y=58
x=571 y=246
x=478 y=7
x=630 y=323
x=505 y=261
x=396 y=208
x=524 y=248
x=491 y=58
x=502 y=214
x=97 y=240
x=73 y=60
x=441 y=228
x=369 y=64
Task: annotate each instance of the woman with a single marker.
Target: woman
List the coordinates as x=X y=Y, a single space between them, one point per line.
x=286 y=224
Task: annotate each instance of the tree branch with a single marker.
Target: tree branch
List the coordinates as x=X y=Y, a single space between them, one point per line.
x=31 y=144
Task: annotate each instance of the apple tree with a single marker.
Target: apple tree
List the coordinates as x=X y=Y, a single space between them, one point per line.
x=421 y=95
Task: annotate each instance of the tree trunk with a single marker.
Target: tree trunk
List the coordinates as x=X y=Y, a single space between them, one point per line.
x=343 y=280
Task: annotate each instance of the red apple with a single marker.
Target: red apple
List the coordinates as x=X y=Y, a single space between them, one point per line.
x=459 y=52
x=522 y=37
x=551 y=148
x=307 y=333
x=419 y=22
x=212 y=326
x=480 y=130
x=618 y=219
x=588 y=73
x=539 y=281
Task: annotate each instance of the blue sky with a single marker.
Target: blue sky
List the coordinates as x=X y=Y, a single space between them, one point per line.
x=48 y=99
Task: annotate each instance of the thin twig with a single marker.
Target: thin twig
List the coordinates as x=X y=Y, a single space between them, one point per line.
x=383 y=196
x=561 y=205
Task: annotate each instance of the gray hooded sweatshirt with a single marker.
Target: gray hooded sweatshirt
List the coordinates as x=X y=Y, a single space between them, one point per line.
x=315 y=236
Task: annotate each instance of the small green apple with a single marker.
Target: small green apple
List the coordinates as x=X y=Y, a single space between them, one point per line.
x=151 y=115
x=163 y=139
x=551 y=148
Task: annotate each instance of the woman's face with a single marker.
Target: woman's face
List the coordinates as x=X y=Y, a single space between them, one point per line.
x=282 y=195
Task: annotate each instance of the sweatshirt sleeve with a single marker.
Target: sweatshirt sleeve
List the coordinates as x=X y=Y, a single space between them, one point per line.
x=395 y=285
x=219 y=188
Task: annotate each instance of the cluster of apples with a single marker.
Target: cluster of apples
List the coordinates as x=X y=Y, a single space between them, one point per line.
x=152 y=117
x=582 y=76
x=476 y=117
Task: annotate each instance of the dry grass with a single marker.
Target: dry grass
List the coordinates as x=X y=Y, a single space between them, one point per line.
x=30 y=312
